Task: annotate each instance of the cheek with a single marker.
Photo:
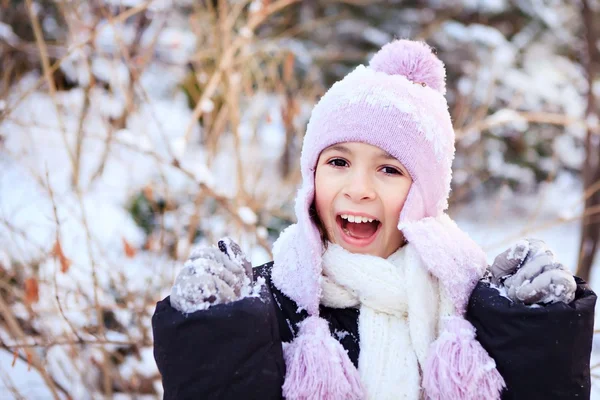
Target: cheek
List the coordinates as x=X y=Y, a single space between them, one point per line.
x=396 y=199
x=323 y=196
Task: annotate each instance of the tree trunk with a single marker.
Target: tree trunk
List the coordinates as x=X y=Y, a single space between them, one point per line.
x=590 y=227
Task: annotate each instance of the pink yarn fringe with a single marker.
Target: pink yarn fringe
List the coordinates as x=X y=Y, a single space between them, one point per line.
x=459 y=368
x=318 y=367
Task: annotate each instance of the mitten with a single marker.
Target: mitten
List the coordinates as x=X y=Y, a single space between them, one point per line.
x=530 y=274
x=212 y=275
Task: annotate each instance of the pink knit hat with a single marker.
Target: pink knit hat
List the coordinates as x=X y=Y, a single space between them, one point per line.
x=397 y=103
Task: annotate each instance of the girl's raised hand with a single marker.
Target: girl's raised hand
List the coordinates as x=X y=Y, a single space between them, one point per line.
x=530 y=274
x=212 y=275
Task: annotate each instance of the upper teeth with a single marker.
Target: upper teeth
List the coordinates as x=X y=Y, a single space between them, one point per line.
x=356 y=219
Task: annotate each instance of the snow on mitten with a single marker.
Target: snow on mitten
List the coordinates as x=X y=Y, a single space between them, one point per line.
x=530 y=274
x=212 y=276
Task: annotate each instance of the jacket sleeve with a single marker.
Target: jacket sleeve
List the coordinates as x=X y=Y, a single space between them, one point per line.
x=229 y=351
x=542 y=352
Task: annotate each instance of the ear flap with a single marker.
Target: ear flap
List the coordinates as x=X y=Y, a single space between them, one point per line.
x=298 y=256
x=414 y=206
x=449 y=254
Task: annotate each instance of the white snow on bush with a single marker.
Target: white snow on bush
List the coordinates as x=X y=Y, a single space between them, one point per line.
x=247 y=215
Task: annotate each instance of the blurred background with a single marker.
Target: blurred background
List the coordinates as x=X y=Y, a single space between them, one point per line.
x=131 y=130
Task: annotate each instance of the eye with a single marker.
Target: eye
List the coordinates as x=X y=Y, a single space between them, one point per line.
x=391 y=170
x=338 y=162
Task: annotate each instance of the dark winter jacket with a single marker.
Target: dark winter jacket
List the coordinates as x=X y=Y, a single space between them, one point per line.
x=234 y=351
x=542 y=352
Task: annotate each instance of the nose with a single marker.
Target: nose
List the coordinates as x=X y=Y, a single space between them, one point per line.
x=359 y=187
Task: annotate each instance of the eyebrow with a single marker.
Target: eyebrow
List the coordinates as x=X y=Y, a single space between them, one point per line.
x=386 y=155
x=339 y=147
x=343 y=149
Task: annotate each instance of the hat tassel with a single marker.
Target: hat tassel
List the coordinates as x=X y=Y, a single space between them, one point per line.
x=458 y=367
x=318 y=367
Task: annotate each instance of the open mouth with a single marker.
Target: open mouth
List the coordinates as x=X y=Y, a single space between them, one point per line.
x=358 y=230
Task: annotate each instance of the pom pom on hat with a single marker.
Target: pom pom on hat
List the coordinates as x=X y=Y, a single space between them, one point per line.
x=414 y=60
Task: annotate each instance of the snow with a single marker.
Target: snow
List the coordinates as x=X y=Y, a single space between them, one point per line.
x=501 y=290
x=4 y=260
x=144 y=368
x=340 y=334
x=246 y=32
x=192 y=297
x=508 y=117
x=7 y=34
x=207 y=106
x=568 y=151
x=257 y=287
x=196 y=282
x=114 y=72
x=558 y=290
x=255 y=6
x=28 y=381
x=261 y=231
x=376 y=36
x=247 y=215
x=485 y=6
x=518 y=251
x=173 y=44
x=499 y=167
x=464 y=86
x=475 y=33
x=546 y=81
x=549 y=214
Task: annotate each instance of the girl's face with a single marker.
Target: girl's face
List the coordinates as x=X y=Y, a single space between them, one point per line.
x=359 y=193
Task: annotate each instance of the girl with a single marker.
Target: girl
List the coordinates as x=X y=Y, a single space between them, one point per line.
x=368 y=294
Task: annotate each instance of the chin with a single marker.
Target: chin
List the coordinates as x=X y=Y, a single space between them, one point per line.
x=370 y=250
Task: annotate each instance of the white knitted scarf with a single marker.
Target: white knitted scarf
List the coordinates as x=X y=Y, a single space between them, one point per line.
x=400 y=309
